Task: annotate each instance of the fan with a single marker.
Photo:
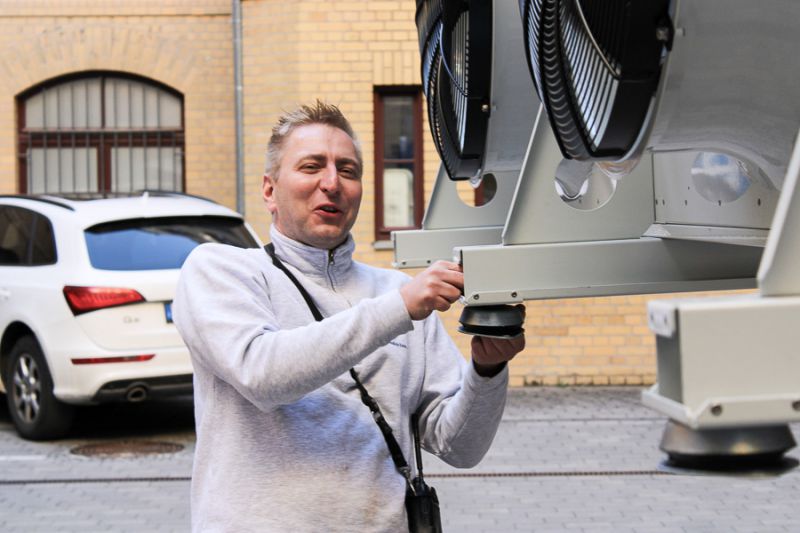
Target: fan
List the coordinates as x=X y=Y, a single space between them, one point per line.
x=455 y=43
x=596 y=67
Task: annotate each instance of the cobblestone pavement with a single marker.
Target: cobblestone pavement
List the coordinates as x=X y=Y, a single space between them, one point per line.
x=571 y=459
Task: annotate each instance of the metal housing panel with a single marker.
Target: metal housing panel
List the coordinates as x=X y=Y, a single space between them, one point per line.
x=446 y=210
x=733 y=359
x=603 y=268
x=539 y=215
x=779 y=274
x=740 y=236
x=730 y=82
x=668 y=365
x=677 y=200
x=420 y=248
x=514 y=102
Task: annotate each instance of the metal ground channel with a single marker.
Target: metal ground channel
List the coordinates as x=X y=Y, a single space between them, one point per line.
x=565 y=459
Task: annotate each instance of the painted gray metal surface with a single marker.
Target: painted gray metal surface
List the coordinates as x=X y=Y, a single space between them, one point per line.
x=446 y=210
x=740 y=236
x=539 y=215
x=509 y=274
x=420 y=248
x=514 y=103
x=730 y=361
x=677 y=200
x=779 y=274
x=450 y=223
x=730 y=82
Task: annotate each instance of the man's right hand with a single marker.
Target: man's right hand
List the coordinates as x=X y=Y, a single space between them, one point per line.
x=434 y=289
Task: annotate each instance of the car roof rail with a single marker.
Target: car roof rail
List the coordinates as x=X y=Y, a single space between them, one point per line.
x=53 y=198
x=85 y=196
x=45 y=199
x=161 y=192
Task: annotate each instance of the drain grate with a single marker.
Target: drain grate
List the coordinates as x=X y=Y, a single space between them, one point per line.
x=126 y=448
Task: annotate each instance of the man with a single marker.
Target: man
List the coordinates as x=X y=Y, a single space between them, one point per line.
x=284 y=442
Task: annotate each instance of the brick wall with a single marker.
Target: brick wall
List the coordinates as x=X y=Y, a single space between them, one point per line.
x=186 y=45
x=336 y=51
x=294 y=52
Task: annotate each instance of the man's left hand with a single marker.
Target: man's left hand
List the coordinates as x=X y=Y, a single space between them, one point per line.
x=490 y=354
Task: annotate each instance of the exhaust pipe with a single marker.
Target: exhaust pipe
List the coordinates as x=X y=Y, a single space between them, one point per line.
x=136 y=393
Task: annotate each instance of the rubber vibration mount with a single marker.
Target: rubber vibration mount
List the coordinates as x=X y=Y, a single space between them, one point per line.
x=498 y=321
x=735 y=451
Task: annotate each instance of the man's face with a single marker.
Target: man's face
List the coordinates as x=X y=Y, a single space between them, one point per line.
x=315 y=197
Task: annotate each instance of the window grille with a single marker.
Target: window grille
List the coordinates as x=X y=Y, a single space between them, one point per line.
x=100 y=133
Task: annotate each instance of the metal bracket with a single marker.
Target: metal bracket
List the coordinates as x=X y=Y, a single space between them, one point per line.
x=731 y=235
x=778 y=275
x=728 y=361
x=539 y=215
x=603 y=268
x=420 y=248
x=446 y=210
x=449 y=223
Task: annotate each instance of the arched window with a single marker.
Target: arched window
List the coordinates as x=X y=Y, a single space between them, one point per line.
x=100 y=132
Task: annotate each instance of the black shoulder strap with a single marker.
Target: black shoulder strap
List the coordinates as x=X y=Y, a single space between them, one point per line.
x=394 y=448
x=270 y=249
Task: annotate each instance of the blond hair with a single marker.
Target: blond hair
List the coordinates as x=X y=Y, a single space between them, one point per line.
x=305 y=115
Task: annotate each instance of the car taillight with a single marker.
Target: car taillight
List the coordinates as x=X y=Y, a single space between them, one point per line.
x=85 y=299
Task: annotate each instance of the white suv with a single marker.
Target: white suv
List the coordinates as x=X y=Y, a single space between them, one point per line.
x=85 y=299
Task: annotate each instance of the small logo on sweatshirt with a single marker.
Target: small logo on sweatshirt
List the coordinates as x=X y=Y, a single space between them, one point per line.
x=398 y=344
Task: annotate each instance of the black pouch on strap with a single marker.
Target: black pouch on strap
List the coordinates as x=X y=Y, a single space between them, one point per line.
x=422 y=504
x=423 y=509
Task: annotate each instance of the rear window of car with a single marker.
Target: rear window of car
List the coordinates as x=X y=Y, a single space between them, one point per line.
x=159 y=243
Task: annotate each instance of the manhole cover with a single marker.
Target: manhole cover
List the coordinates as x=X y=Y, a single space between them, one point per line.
x=126 y=448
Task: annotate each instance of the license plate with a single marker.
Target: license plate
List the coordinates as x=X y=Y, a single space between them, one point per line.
x=168 y=312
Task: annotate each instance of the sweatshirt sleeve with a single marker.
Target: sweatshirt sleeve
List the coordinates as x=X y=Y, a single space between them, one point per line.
x=224 y=312
x=460 y=410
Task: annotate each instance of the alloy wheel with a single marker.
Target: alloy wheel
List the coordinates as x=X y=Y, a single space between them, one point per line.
x=27 y=388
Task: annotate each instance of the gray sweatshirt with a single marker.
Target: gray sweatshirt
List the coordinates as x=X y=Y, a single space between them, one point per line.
x=283 y=440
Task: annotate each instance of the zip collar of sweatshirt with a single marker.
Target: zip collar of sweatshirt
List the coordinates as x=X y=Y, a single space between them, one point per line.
x=328 y=267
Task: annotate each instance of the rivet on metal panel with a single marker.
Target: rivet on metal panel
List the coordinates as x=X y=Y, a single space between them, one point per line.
x=796 y=405
x=716 y=410
x=513 y=294
x=476 y=297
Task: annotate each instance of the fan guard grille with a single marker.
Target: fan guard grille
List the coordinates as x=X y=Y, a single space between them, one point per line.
x=596 y=67
x=456 y=79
